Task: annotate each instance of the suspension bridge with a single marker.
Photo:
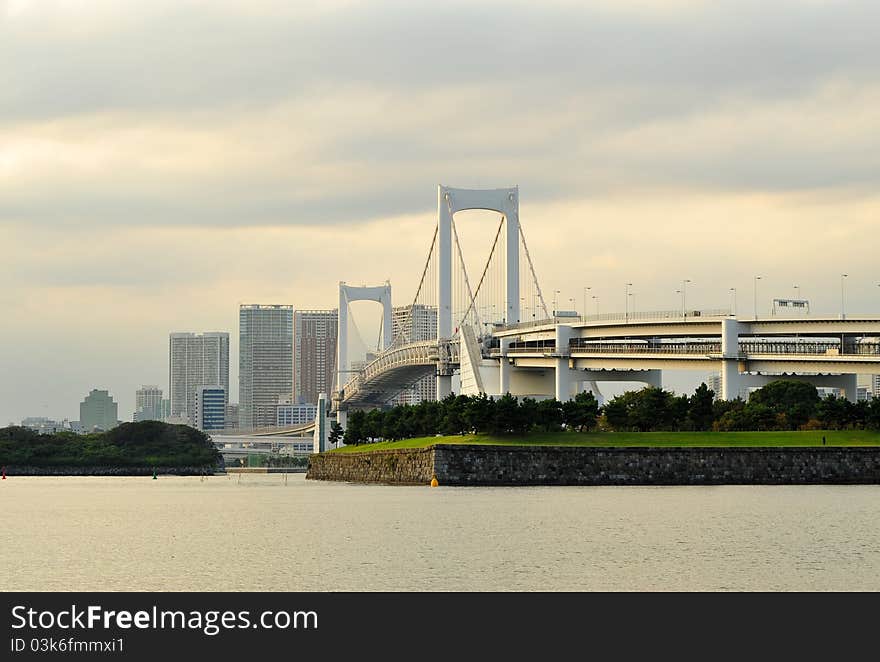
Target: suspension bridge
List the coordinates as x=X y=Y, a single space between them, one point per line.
x=493 y=332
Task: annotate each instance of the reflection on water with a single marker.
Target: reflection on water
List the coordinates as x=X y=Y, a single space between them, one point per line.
x=262 y=534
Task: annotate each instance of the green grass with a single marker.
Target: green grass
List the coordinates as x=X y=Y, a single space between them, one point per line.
x=646 y=439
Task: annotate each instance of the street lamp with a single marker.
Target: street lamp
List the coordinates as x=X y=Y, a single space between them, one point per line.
x=585 y=299
x=843 y=278
x=555 y=304
x=757 y=278
x=596 y=299
x=626 y=302
x=797 y=292
x=684 y=297
x=733 y=291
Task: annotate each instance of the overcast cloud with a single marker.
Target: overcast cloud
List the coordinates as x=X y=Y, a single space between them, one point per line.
x=161 y=162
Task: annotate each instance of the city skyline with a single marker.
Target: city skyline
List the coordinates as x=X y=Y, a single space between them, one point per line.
x=197 y=173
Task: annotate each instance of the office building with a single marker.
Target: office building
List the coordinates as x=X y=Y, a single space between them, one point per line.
x=265 y=362
x=195 y=360
x=211 y=408
x=315 y=335
x=98 y=411
x=291 y=414
x=411 y=324
x=148 y=404
x=232 y=416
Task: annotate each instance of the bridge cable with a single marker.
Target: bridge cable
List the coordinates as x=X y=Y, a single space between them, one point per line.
x=471 y=295
x=486 y=268
x=408 y=321
x=532 y=269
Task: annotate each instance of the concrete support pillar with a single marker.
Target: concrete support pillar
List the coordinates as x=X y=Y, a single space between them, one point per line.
x=850 y=387
x=504 y=368
x=342 y=374
x=563 y=371
x=511 y=263
x=444 y=386
x=731 y=380
x=444 y=268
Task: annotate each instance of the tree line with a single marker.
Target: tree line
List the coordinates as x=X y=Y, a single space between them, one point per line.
x=780 y=405
x=146 y=443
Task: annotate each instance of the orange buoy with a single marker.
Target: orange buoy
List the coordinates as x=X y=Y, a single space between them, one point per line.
x=434 y=481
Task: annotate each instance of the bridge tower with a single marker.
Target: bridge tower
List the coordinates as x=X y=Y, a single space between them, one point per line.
x=505 y=201
x=347 y=294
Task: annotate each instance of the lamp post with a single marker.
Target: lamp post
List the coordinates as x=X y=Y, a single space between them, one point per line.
x=797 y=292
x=555 y=304
x=843 y=278
x=585 y=299
x=757 y=278
x=684 y=297
x=596 y=299
x=571 y=301
x=626 y=302
x=733 y=292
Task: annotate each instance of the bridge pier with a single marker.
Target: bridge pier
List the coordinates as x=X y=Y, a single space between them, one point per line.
x=731 y=381
x=563 y=368
x=444 y=386
x=504 y=368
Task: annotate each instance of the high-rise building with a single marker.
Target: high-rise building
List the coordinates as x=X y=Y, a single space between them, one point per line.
x=148 y=404
x=195 y=360
x=232 y=416
x=211 y=408
x=414 y=323
x=265 y=362
x=315 y=334
x=98 y=411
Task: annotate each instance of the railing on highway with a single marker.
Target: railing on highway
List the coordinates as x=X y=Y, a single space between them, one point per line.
x=746 y=348
x=635 y=316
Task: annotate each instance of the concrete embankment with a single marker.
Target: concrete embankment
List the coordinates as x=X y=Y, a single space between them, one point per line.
x=568 y=465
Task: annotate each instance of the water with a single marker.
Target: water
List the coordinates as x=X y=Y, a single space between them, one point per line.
x=262 y=534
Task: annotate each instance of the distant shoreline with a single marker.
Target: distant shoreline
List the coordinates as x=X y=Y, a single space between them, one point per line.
x=111 y=471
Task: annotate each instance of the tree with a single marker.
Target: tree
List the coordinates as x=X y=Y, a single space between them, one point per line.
x=581 y=412
x=355 y=430
x=336 y=433
x=700 y=408
x=549 y=414
x=797 y=400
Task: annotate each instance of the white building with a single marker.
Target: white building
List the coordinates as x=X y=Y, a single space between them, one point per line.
x=265 y=362
x=290 y=414
x=148 y=404
x=195 y=360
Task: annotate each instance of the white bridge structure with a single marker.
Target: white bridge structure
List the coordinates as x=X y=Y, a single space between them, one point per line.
x=499 y=337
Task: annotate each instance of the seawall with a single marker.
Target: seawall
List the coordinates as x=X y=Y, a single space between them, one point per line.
x=567 y=465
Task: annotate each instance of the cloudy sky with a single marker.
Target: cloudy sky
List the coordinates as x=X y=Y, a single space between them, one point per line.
x=162 y=162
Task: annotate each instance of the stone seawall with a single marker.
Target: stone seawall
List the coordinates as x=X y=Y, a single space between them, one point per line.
x=403 y=466
x=109 y=471
x=567 y=465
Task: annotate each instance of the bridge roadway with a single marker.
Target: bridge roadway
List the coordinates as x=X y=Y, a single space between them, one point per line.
x=562 y=355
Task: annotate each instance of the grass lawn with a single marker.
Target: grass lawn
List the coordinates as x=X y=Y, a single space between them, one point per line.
x=656 y=439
